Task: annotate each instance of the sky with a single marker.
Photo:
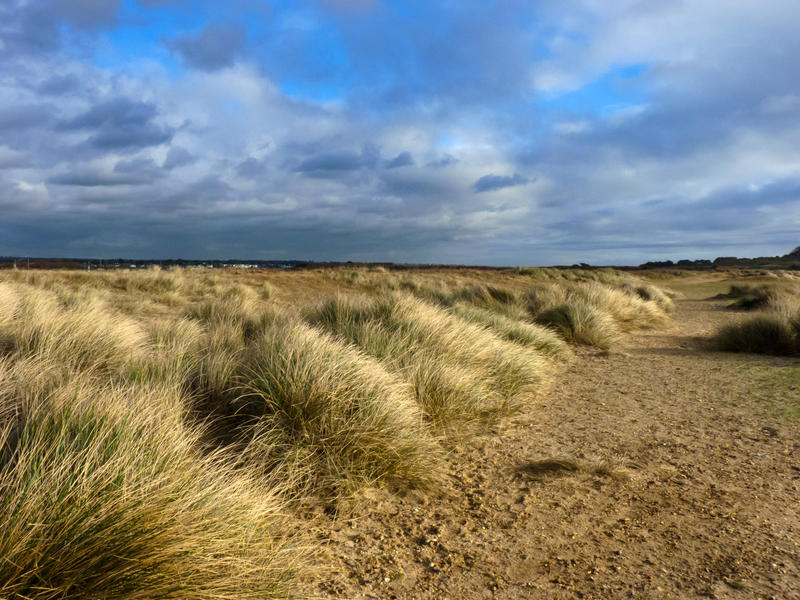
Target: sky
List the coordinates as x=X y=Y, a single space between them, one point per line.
x=434 y=131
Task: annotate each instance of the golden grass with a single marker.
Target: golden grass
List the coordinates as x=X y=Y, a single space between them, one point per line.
x=776 y=330
x=103 y=494
x=416 y=339
x=155 y=425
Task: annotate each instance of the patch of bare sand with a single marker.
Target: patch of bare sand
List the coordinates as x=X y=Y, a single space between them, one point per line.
x=651 y=472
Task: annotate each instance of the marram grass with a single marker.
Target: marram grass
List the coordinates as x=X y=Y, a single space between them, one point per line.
x=156 y=426
x=103 y=495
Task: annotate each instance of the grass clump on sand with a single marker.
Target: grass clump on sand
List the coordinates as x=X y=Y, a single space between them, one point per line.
x=83 y=337
x=517 y=330
x=332 y=410
x=103 y=495
x=748 y=297
x=460 y=371
x=775 y=331
x=765 y=334
x=581 y=323
x=595 y=313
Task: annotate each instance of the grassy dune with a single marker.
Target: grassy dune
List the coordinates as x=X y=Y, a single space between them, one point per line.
x=775 y=330
x=157 y=427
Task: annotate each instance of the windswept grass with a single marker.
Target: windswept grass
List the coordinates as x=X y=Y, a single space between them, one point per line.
x=581 y=323
x=103 y=495
x=154 y=425
x=765 y=334
x=82 y=337
x=596 y=313
x=336 y=412
x=407 y=333
x=517 y=330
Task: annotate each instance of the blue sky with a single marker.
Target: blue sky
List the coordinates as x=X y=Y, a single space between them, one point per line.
x=509 y=133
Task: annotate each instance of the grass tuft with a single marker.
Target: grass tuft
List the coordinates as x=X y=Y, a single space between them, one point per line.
x=765 y=334
x=581 y=323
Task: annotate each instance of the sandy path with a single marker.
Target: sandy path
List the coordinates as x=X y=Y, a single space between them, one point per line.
x=687 y=486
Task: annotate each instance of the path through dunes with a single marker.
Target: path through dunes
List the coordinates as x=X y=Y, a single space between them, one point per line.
x=661 y=469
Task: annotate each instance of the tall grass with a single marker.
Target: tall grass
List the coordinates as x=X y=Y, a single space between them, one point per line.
x=83 y=337
x=103 y=495
x=517 y=330
x=154 y=425
x=596 y=313
x=407 y=333
x=775 y=331
x=581 y=323
x=336 y=412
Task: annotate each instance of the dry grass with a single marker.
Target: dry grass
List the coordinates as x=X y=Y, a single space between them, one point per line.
x=155 y=425
x=775 y=331
x=417 y=339
x=103 y=494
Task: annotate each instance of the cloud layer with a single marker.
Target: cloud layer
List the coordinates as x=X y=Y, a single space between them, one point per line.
x=482 y=133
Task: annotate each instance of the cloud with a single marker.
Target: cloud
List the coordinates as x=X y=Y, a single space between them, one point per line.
x=88 y=177
x=490 y=183
x=121 y=124
x=178 y=157
x=334 y=161
x=444 y=161
x=404 y=159
x=21 y=117
x=462 y=132
x=330 y=163
x=250 y=168
x=213 y=47
x=58 y=85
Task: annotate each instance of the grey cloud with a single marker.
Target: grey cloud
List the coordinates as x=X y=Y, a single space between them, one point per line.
x=444 y=161
x=214 y=47
x=404 y=159
x=250 y=168
x=489 y=183
x=89 y=178
x=22 y=117
x=85 y=14
x=36 y=26
x=341 y=161
x=145 y=168
x=130 y=138
x=178 y=157
x=121 y=124
x=58 y=85
x=330 y=163
x=114 y=112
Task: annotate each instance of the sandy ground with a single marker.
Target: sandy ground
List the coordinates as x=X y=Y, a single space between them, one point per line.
x=660 y=470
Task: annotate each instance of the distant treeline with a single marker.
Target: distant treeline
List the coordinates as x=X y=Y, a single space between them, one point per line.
x=789 y=261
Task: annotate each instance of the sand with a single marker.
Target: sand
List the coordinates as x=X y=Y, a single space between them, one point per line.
x=662 y=469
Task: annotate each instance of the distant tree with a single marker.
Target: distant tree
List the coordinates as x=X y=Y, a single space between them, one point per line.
x=795 y=252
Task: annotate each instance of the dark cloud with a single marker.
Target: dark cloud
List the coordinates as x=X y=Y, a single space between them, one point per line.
x=326 y=164
x=115 y=112
x=489 y=183
x=250 y=168
x=214 y=47
x=121 y=124
x=444 y=161
x=404 y=159
x=84 y=14
x=92 y=178
x=340 y=161
x=145 y=168
x=58 y=85
x=178 y=157
x=22 y=117
x=38 y=26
